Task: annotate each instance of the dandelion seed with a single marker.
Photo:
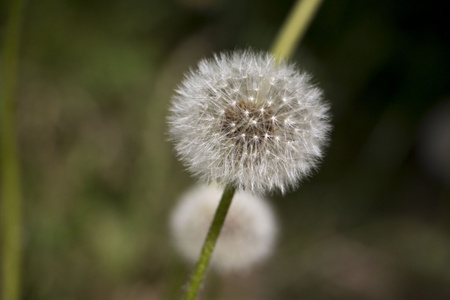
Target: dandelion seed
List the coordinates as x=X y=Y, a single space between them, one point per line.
x=247 y=237
x=214 y=135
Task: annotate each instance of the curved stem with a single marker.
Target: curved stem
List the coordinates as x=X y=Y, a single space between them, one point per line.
x=287 y=39
x=294 y=28
x=11 y=204
x=209 y=244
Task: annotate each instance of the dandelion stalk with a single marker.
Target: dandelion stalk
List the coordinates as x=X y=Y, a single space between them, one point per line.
x=11 y=193
x=209 y=244
x=294 y=28
x=289 y=36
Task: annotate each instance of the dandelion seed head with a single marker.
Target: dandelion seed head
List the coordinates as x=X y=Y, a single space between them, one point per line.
x=247 y=237
x=233 y=118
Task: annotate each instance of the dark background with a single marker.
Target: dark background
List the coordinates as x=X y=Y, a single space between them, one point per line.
x=100 y=177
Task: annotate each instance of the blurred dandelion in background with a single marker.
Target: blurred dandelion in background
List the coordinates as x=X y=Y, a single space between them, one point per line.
x=434 y=142
x=248 y=235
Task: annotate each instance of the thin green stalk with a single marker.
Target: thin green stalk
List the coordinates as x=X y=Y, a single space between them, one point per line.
x=11 y=204
x=294 y=28
x=287 y=39
x=209 y=244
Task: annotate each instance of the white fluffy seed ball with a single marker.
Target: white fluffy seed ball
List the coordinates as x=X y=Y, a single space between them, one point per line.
x=243 y=119
x=247 y=236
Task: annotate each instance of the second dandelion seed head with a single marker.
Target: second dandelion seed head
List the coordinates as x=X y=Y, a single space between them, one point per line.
x=248 y=235
x=246 y=120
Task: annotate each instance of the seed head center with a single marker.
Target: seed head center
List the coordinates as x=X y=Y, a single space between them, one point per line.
x=248 y=121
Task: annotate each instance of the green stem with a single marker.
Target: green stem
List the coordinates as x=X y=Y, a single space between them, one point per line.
x=209 y=244
x=294 y=28
x=11 y=204
x=287 y=39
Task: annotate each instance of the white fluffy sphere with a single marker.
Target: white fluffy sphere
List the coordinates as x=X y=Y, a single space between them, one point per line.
x=247 y=236
x=243 y=119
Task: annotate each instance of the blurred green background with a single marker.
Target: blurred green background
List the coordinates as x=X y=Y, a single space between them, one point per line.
x=100 y=177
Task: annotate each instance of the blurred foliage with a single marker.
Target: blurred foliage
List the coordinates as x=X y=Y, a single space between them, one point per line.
x=100 y=177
